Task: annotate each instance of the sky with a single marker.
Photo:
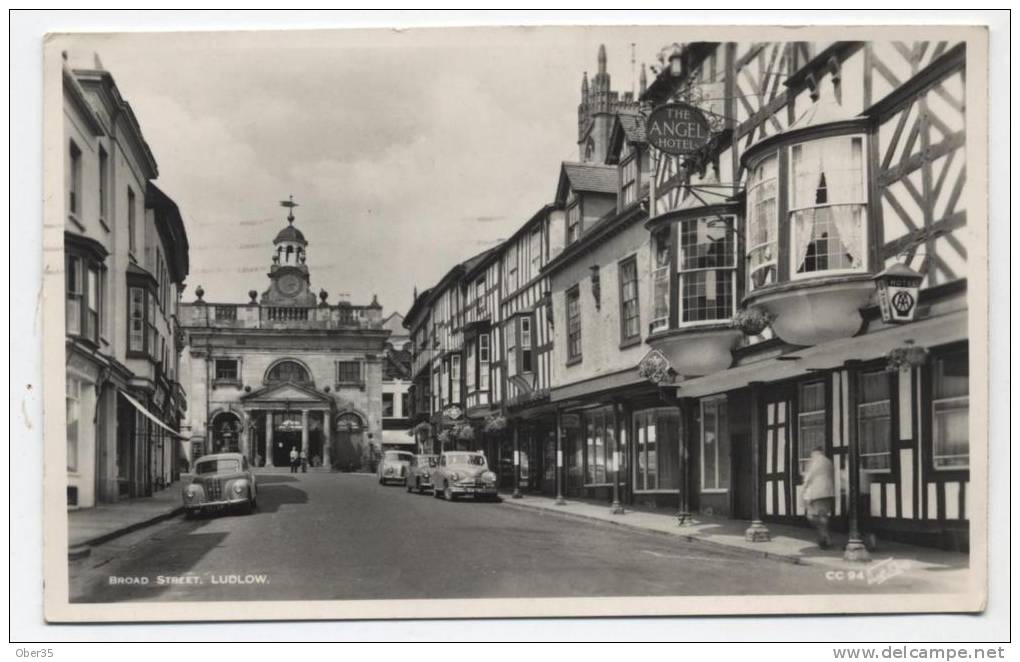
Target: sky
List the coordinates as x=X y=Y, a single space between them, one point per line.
x=408 y=151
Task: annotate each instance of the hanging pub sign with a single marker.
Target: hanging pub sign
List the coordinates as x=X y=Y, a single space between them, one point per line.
x=898 y=287
x=453 y=412
x=678 y=129
x=656 y=368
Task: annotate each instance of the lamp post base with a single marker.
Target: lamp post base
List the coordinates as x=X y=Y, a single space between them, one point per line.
x=616 y=508
x=516 y=494
x=560 y=501
x=856 y=552
x=683 y=518
x=757 y=532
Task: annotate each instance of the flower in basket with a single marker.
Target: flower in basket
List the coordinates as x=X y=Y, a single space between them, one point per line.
x=752 y=321
x=495 y=423
x=908 y=356
x=464 y=432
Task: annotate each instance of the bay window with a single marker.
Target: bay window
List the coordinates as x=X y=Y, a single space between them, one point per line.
x=874 y=421
x=84 y=285
x=827 y=206
x=949 y=411
x=472 y=366
x=142 y=334
x=810 y=422
x=707 y=269
x=656 y=450
x=762 y=224
x=660 y=280
x=574 y=324
x=483 y=362
x=527 y=355
x=715 y=445
x=455 y=378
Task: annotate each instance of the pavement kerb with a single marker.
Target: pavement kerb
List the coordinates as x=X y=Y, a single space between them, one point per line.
x=743 y=551
x=83 y=549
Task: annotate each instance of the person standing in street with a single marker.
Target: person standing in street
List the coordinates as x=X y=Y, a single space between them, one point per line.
x=304 y=461
x=819 y=494
x=293 y=459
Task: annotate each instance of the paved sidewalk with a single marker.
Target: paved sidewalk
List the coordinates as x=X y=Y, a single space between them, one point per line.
x=791 y=544
x=93 y=526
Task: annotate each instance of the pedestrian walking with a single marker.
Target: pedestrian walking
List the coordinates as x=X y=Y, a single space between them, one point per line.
x=304 y=461
x=819 y=494
x=293 y=459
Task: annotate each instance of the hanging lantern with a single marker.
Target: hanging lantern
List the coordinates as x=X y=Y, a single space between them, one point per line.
x=898 y=288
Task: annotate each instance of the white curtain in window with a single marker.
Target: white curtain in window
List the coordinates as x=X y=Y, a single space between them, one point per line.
x=803 y=229
x=849 y=223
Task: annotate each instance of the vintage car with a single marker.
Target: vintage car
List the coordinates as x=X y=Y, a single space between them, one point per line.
x=463 y=473
x=223 y=480
x=393 y=467
x=419 y=477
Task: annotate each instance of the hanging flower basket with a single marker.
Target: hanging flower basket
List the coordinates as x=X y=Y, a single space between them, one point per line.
x=495 y=423
x=463 y=432
x=908 y=356
x=752 y=321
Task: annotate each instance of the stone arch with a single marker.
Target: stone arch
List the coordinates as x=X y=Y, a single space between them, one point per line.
x=350 y=449
x=226 y=427
x=287 y=369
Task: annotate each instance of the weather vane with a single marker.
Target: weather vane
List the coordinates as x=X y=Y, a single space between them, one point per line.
x=289 y=204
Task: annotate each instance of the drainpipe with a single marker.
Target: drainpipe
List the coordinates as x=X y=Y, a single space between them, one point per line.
x=855 y=549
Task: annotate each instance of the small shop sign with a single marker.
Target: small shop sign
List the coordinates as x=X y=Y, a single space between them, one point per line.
x=898 y=287
x=679 y=129
x=453 y=412
x=656 y=368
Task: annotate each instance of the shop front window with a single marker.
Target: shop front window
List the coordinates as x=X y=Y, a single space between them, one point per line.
x=950 y=417
x=827 y=206
x=707 y=269
x=810 y=422
x=656 y=450
x=599 y=446
x=715 y=446
x=874 y=421
x=660 y=281
x=762 y=224
x=73 y=399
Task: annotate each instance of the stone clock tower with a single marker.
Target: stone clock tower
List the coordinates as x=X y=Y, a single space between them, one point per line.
x=289 y=282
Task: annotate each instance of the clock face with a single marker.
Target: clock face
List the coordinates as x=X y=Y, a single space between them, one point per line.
x=290 y=284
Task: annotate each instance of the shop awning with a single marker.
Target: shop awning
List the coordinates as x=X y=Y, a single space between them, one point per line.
x=932 y=332
x=397 y=438
x=145 y=412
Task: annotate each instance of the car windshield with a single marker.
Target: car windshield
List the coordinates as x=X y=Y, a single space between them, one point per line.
x=217 y=467
x=397 y=456
x=467 y=459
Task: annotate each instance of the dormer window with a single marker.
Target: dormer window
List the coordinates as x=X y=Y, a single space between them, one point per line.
x=573 y=222
x=827 y=206
x=629 y=179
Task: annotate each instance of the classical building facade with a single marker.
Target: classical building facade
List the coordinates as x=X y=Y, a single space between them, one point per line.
x=125 y=261
x=710 y=318
x=285 y=370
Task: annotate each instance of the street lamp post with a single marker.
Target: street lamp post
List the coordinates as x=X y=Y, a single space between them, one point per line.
x=617 y=507
x=559 y=459
x=517 y=464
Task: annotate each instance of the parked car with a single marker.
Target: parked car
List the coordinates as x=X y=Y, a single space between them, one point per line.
x=463 y=473
x=222 y=480
x=394 y=466
x=419 y=477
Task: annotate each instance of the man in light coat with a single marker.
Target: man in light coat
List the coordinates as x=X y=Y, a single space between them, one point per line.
x=819 y=494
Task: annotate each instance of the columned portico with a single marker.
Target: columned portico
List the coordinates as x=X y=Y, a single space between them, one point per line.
x=294 y=416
